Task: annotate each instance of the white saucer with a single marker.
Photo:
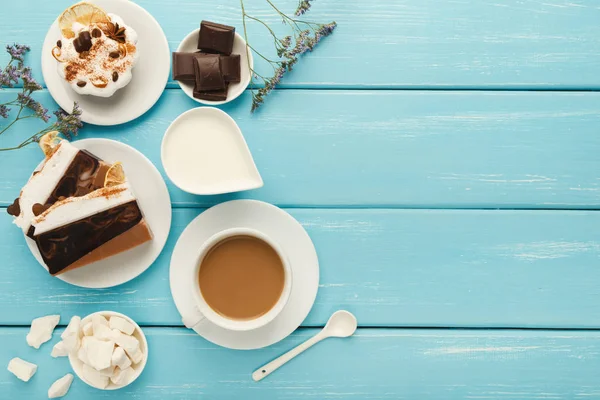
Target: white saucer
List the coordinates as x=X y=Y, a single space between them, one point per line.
x=154 y=201
x=273 y=222
x=190 y=44
x=150 y=74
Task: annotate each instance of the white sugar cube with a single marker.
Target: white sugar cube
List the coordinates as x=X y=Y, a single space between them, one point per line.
x=41 y=330
x=94 y=377
x=99 y=353
x=121 y=324
x=103 y=332
x=22 y=369
x=70 y=336
x=98 y=320
x=59 y=350
x=88 y=329
x=120 y=359
x=82 y=353
x=60 y=387
x=128 y=343
x=107 y=371
x=135 y=355
x=122 y=376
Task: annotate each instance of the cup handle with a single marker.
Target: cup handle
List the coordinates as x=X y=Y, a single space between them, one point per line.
x=194 y=321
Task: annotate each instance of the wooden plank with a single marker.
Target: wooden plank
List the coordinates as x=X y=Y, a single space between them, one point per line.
x=405 y=43
x=409 y=149
x=389 y=267
x=374 y=364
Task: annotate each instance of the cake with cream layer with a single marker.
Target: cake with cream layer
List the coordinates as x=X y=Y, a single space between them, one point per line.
x=67 y=172
x=77 y=208
x=81 y=230
x=96 y=51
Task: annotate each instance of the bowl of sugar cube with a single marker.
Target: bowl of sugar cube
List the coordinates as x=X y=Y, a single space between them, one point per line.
x=107 y=350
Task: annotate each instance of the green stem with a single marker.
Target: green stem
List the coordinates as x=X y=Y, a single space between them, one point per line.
x=26 y=142
x=247 y=45
x=293 y=20
x=258 y=20
x=265 y=58
x=13 y=122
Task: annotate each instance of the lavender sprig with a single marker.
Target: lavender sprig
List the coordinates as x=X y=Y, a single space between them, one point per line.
x=16 y=72
x=306 y=36
x=303 y=7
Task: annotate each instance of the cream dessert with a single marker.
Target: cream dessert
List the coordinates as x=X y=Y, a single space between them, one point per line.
x=81 y=230
x=96 y=52
x=66 y=172
x=78 y=209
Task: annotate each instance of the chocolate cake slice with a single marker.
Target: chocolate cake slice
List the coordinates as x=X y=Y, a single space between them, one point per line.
x=78 y=231
x=67 y=172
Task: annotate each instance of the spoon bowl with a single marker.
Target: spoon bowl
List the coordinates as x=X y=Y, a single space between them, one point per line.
x=341 y=324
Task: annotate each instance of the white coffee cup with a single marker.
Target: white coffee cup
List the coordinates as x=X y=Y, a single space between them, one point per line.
x=202 y=311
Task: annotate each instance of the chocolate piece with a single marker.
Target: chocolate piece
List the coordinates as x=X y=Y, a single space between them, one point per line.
x=115 y=54
x=216 y=38
x=183 y=67
x=208 y=73
x=38 y=208
x=65 y=245
x=83 y=42
x=59 y=43
x=115 y=76
x=96 y=33
x=231 y=68
x=14 y=209
x=81 y=83
x=213 y=95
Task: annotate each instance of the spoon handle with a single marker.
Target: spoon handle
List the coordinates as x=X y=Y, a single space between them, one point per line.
x=266 y=369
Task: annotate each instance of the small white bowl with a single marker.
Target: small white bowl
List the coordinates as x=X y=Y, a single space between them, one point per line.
x=204 y=152
x=77 y=365
x=190 y=45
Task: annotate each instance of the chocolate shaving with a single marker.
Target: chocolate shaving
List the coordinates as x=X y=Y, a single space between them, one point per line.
x=15 y=208
x=38 y=209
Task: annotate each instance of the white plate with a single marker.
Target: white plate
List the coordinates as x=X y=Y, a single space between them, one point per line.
x=77 y=365
x=273 y=222
x=154 y=201
x=190 y=45
x=208 y=142
x=150 y=74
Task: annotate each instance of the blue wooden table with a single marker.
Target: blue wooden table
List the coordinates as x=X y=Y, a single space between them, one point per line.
x=443 y=155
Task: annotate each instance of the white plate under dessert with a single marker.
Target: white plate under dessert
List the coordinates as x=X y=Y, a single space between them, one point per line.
x=149 y=75
x=190 y=44
x=154 y=201
x=271 y=221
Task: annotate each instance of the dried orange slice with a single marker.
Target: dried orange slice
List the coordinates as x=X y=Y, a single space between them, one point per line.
x=84 y=13
x=115 y=175
x=49 y=142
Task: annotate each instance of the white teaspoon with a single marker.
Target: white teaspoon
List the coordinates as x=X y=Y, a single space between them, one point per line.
x=341 y=324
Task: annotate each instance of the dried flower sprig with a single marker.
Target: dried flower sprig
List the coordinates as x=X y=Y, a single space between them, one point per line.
x=303 y=6
x=15 y=72
x=306 y=35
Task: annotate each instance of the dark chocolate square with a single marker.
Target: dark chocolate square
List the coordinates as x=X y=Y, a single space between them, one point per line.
x=183 y=67
x=208 y=73
x=216 y=38
x=231 y=69
x=213 y=95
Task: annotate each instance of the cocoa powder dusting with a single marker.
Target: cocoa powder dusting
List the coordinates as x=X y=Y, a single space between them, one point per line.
x=84 y=67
